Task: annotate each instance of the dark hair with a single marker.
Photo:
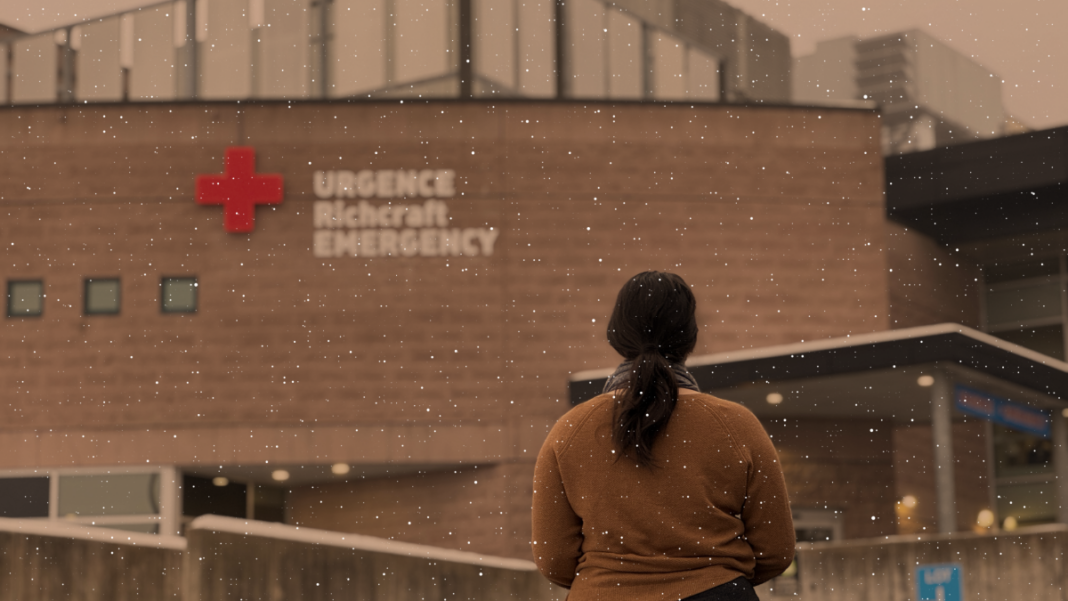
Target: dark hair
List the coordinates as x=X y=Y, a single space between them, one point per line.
x=653 y=326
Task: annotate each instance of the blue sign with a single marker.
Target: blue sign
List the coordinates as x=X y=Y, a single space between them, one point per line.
x=940 y=582
x=1000 y=411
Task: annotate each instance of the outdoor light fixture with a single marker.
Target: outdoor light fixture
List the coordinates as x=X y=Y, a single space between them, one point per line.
x=774 y=398
x=280 y=475
x=220 y=480
x=1064 y=412
x=340 y=469
x=925 y=380
x=1009 y=523
x=985 y=519
x=908 y=501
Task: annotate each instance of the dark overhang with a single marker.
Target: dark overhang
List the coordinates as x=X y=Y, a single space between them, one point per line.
x=988 y=189
x=943 y=344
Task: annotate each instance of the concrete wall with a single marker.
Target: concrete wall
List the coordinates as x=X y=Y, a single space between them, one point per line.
x=236 y=559
x=1026 y=564
x=40 y=561
x=226 y=558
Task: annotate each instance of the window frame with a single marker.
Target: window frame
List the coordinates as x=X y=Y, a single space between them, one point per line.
x=166 y=520
x=85 y=295
x=12 y=283
x=163 y=294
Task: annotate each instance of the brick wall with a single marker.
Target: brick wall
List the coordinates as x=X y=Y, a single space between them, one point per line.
x=484 y=509
x=774 y=215
x=914 y=475
x=842 y=465
x=930 y=283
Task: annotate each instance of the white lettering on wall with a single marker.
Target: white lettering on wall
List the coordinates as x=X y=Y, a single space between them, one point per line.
x=406 y=242
x=392 y=229
x=385 y=183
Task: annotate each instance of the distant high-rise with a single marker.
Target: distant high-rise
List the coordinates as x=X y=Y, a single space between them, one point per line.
x=930 y=94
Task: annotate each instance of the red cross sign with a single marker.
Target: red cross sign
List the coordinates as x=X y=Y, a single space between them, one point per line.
x=239 y=189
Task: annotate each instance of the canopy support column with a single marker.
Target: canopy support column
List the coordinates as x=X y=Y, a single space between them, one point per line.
x=942 y=437
x=1060 y=462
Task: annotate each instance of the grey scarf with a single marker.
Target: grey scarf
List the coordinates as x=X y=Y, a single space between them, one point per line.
x=621 y=377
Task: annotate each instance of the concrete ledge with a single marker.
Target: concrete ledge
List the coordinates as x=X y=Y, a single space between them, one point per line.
x=1022 y=564
x=67 y=530
x=41 y=561
x=227 y=558
x=354 y=541
x=231 y=558
x=936 y=537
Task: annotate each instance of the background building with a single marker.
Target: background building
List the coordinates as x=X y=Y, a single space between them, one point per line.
x=996 y=207
x=382 y=348
x=930 y=95
x=148 y=342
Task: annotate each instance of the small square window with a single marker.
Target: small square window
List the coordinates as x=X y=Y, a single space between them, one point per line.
x=178 y=295
x=102 y=296
x=25 y=298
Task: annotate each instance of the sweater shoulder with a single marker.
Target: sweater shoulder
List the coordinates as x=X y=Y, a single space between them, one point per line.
x=739 y=421
x=574 y=420
x=722 y=407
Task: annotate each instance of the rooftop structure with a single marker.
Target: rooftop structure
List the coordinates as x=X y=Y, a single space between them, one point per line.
x=930 y=94
x=322 y=49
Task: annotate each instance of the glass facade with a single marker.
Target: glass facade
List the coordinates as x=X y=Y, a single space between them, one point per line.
x=357 y=62
x=224 y=50
x=305 y=49
x=494 y=26
x=123 y=499
x=221 y=496
x=109 y=494
x=153 y=53
x=34 y=76
x=1024 y=477
x=97 y=50
x=25 y=497
x=1024 y=303
x=626 y=56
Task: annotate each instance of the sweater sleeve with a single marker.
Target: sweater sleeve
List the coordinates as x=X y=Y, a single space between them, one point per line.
x=769 y=525
x=556 y=530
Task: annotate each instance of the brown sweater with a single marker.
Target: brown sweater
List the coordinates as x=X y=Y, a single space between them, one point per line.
x=713 y=509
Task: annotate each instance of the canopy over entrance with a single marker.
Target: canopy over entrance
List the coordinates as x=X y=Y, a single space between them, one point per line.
x=927 y=374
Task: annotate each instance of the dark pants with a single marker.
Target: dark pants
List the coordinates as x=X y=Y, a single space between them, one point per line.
x=738 y=589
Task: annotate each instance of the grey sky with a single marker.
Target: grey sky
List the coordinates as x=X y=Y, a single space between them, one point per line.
x=1021 y=41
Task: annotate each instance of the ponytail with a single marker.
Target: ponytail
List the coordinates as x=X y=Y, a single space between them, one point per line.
x=645 y=406
x=653 y=326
